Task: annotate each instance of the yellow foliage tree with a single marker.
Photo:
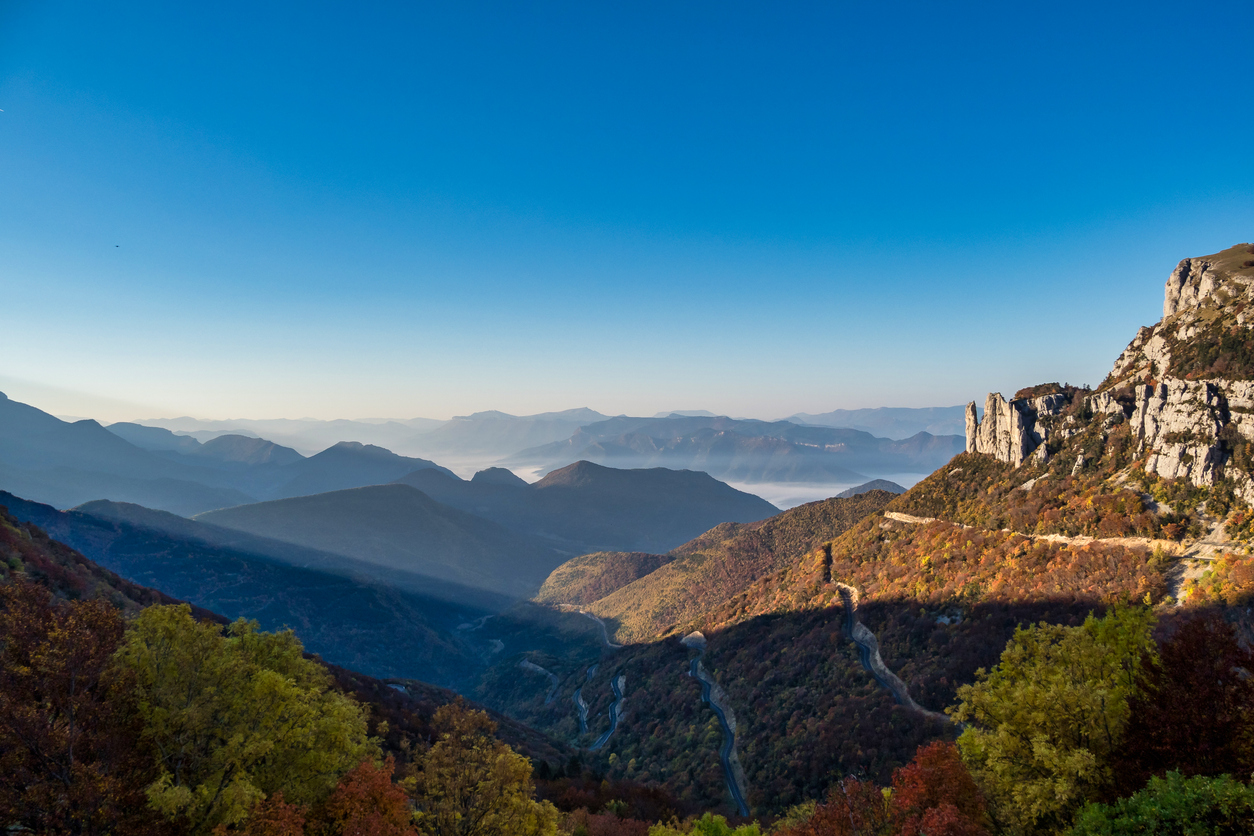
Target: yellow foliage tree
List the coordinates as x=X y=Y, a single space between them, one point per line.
x=471 y=784
x=1042 y=725
x=236 y=717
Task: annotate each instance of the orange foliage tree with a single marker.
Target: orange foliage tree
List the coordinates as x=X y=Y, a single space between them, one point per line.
x=933 y=794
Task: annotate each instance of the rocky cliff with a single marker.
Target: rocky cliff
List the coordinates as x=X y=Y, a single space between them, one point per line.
x=1186 y=385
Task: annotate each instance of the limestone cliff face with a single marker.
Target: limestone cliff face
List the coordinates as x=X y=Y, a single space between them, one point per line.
x=1186 y=385
x=1013 y=430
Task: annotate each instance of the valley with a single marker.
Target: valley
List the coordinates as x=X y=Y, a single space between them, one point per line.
x=664 y=628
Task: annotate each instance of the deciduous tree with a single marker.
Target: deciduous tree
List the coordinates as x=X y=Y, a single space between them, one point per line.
x=1042 y=726
x=68 y=760
x=1195 y=711
x=471 y=784
x=236 y=717
x=1174 y=805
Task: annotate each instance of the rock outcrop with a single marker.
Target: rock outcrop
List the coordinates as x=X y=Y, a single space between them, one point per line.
x=1013 y=430
x=1185 y=384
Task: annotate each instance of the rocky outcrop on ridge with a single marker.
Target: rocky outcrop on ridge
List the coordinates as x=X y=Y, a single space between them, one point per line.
x=1185 y=384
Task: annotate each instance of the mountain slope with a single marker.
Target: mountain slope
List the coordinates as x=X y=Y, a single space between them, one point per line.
x=401 y=528
x=371 y=628
x=406 y=705
x=586 y=507
x=701 y=574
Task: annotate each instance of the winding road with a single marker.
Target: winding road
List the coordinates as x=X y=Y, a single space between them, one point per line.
x=605 y=633
x=713 y=695
x=869 y=654
x=618 y=684
x=528 y=665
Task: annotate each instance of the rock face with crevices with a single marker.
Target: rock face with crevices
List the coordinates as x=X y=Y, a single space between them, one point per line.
x=1185 y=384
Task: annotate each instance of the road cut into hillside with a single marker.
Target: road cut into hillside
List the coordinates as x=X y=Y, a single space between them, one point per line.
x=713 y=695
x=616 y=711
x=528 y=665
x=869 y=654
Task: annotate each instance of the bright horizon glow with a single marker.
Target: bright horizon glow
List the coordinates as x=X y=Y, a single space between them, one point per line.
x=391 y=210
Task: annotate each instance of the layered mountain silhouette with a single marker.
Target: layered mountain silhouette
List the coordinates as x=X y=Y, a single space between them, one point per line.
x=400 y=528
x=498 y=434
x=66 y=464
x=744 y=450
x=307 y=435
x=891 y=422
x=334 y=608
x=588 y=507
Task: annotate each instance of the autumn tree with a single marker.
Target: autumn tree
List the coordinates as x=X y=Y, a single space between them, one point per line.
x=367 y=802
x=471 y=784
x=1195 y=711
x=68 y=763
x=235 y=717
x=852 y=808
x=270 y=817
x=708 y=825
x=934 y=794
x=1042 y=726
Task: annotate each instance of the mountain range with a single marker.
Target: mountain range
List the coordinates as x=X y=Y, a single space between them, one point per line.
x=587 y=507
x=744 y=450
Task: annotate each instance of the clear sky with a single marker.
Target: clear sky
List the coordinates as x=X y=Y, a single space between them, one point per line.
x=354 y=209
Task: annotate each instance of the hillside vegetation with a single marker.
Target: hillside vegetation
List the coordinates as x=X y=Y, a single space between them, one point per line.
x=701 y=574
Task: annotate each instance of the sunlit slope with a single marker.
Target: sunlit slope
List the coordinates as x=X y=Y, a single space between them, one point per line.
x=703 y=573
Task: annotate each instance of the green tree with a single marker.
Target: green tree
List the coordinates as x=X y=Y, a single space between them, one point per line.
x=471 y=784
x=1043 y=724
x=708 y=825
x=1174 y=806
x=236 y=717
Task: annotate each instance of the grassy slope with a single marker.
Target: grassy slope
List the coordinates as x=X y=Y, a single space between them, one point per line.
x=807 y=710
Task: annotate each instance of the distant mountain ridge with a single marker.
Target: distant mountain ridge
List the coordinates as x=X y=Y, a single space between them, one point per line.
x=66 y=464
x=399 y=527
x=588 y=507
x=891 y=422
x=745 y=450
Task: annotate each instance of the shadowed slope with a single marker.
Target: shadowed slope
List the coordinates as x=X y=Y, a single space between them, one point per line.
x=587 y=507
x=400 y=527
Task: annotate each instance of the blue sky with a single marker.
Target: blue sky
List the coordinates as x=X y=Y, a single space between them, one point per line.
x=350 y=210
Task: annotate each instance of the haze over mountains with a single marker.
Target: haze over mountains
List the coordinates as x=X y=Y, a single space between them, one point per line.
x=745 y=450
x=470 y=443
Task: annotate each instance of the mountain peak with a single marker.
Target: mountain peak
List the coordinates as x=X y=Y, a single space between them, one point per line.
x=498 y=476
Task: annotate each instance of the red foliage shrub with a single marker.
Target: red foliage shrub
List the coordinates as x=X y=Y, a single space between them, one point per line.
x=366 y=803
